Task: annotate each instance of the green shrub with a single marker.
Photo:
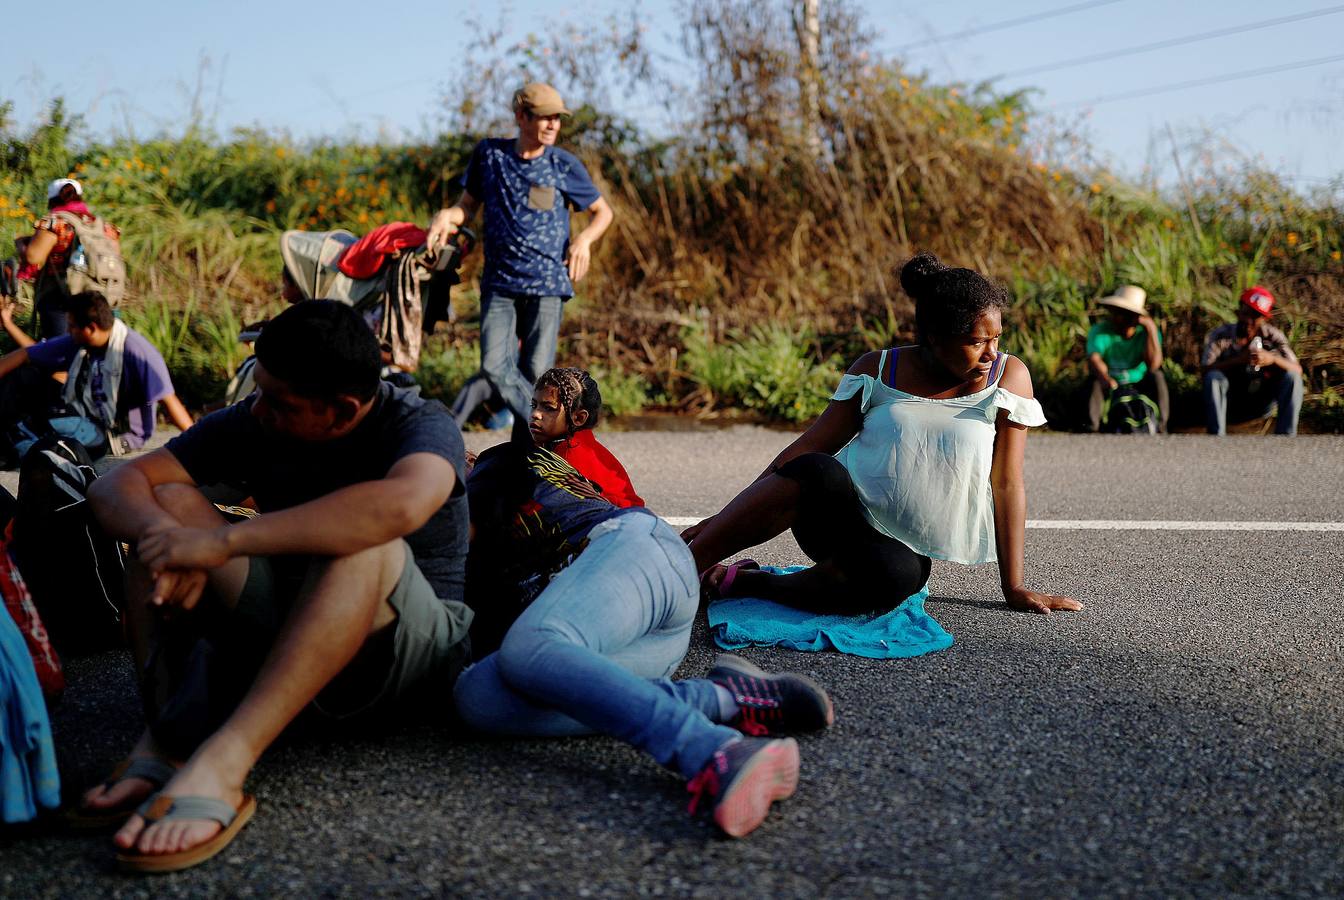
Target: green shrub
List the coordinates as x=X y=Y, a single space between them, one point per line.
x=623 y=393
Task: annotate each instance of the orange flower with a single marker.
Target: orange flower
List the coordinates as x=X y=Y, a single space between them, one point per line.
x=1335 y=256
x=1292 y=239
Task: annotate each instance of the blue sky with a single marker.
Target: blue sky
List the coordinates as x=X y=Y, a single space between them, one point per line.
x=346 y=68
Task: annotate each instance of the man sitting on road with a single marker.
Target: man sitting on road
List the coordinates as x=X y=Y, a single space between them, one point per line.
x=344 y=593
x=1249 y=369
x=113 y=378
x=1125 y=348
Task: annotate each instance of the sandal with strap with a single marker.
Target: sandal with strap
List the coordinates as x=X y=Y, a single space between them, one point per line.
x=150 y=768
x=717 y=592
x=164 y=808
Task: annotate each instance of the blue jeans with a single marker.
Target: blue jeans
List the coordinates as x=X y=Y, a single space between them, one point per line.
x=593 y=652
x=510 y=369
x=1251 y=398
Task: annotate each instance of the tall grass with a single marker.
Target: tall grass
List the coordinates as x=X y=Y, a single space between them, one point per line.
x=747 y=260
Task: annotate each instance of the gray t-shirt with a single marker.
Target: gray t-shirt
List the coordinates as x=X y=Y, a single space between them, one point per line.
x=230 y=447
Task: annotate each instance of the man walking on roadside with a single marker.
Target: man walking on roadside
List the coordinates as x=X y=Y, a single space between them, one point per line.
x=345 y=593
x=527 y=186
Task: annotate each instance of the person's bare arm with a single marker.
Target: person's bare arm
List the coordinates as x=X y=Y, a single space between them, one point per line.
x=1010 y=503
x=123 y=500
x=177 y=412
x=446 y=221
x=39 y=247
x=1100 y=369
x=343 y=522
x=581 y=247
x=834 y=428
x=1152 y=351
x=16 y=334
x=12 y=361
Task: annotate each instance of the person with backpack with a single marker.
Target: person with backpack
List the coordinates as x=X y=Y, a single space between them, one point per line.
x=113 y=380
x=527 y=187
x=72 y=251
x=344 y=594
x=1124 y=357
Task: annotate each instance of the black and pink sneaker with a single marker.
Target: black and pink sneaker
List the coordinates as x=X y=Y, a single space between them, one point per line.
x=771 y=704
x=743 y=778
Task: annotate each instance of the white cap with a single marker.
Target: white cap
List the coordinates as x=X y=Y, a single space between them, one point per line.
x=54 y=189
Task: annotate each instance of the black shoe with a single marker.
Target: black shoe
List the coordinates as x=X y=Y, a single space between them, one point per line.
x=772 y=704
x=743 y=778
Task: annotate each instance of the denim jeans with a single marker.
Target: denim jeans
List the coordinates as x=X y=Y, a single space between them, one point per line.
x=1236 y=393
x=593 y=652
x=511 y=369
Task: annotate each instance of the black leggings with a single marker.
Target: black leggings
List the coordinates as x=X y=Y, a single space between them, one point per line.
x=858 y=569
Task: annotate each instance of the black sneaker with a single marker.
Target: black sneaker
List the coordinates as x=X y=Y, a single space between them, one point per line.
x=743 y=778
x=771 y=704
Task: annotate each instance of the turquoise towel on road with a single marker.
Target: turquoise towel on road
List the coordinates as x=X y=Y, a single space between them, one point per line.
x=905 y=631
x=28 y=776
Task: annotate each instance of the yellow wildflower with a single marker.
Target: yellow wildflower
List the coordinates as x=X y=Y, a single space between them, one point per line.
x=1335 y=256
x=1095 y=188
x=1292 y=239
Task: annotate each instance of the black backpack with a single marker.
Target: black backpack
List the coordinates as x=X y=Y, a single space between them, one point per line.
x=1131 y=412
x=73 y=569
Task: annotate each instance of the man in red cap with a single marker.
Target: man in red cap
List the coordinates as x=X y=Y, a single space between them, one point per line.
x=527 y=186
x=1249 y=368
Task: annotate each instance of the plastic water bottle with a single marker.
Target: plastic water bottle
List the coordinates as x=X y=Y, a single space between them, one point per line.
x=1256 y=344
x=78 y=259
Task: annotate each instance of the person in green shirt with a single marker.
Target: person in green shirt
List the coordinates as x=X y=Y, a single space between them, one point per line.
x=1125 y=348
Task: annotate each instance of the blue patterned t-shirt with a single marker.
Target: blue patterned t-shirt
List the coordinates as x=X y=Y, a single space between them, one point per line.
x=527 y=203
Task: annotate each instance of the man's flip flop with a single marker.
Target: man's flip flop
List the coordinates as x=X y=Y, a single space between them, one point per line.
x=164 y=808
x=155 y=771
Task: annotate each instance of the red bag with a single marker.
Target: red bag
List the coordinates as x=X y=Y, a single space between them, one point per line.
x=21 y=608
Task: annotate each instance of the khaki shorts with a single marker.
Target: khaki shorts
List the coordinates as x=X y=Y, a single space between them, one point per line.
x=426 y=646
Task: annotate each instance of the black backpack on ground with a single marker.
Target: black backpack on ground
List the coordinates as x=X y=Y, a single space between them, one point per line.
x=1131 y=412
x=73 y=569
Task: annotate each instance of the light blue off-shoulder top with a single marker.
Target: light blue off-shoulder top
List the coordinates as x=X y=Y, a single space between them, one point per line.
x=921 y=466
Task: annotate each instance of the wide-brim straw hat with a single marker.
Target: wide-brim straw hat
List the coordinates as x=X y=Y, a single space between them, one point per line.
x=1129 y=298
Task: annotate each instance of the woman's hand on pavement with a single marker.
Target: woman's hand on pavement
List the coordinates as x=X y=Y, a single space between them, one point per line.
x=1030 y=601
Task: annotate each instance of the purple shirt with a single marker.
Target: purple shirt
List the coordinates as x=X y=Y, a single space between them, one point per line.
x=144 y=380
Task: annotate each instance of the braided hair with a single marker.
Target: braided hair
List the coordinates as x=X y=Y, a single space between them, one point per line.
x=948 y=300
x=576 y=391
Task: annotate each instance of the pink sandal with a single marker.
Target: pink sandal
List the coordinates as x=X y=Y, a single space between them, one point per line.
x=718 y=592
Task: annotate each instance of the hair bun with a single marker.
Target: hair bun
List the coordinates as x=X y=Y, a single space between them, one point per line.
x=918 y=274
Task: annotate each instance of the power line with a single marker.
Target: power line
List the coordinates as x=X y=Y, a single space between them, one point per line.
x=1171 y=42
x=1198 y=82
x=1007 y=23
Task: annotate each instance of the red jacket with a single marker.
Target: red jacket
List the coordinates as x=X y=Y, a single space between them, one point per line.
x=365 y=256
x=597 y=464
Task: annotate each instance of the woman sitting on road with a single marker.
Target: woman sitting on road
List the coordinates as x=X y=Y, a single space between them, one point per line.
x=918 y=455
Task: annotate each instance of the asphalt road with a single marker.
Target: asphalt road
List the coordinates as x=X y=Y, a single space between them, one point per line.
x=1183 y=735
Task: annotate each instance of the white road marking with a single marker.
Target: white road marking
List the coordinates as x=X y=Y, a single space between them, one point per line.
x=1131 y=525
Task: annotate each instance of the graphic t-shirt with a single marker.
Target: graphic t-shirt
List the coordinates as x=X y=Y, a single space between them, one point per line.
x=231 y=447
x=527 y=203
x=531 y=513
x=1124 y=356
x=144 y=380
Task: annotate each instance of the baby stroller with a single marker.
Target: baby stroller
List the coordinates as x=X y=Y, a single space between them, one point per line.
x=406 y=297
x=403 y=300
